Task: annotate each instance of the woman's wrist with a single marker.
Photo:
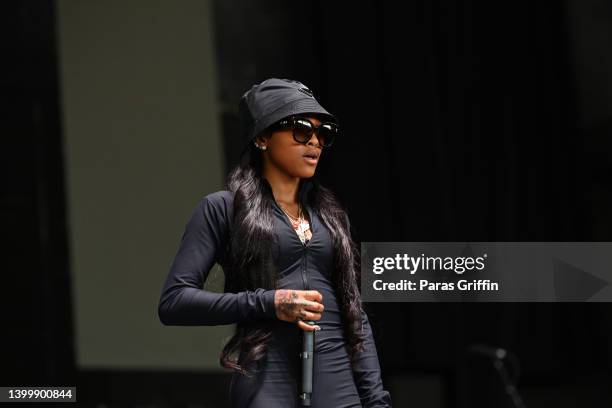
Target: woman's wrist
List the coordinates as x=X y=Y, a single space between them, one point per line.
x=268 y=296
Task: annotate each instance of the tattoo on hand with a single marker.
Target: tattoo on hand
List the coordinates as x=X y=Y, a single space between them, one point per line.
x=286 y=305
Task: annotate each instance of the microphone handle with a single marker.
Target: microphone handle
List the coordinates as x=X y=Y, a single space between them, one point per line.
x=307 y=356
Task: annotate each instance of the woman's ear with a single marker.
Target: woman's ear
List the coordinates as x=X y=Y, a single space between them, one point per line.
x=262 y=138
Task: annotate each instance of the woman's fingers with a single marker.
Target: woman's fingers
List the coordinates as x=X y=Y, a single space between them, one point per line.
x=313 y=295
x=306 y=315
x=314 y=307
x=298 y=304
x=307 y=327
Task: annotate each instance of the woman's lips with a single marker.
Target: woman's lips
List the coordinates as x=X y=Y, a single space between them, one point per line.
x=310 y=160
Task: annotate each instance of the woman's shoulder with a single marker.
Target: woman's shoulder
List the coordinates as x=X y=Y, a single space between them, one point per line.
x=220 y=200
x=219 y=197
x=218 y=203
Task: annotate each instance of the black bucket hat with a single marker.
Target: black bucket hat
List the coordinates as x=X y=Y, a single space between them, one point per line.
x=274 y=99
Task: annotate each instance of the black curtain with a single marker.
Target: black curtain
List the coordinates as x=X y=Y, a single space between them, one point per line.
x=459 y=123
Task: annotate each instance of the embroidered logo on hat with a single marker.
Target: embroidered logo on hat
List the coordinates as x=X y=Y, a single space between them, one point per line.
x=306 y=91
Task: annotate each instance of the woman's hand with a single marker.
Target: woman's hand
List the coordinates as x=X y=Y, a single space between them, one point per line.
x=297 y=305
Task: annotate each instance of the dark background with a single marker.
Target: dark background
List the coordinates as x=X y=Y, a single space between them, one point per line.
x=462 y=121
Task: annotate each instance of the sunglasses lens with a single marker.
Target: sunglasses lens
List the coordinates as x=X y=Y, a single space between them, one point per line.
x=327 y=134
x=302 y=130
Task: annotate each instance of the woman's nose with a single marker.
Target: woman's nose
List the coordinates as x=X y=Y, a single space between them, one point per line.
x=313 y=139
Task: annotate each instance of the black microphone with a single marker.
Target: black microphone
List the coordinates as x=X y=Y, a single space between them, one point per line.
x=307 y=356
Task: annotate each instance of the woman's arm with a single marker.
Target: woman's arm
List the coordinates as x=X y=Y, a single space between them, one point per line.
x=182 y=301
x=366 y=371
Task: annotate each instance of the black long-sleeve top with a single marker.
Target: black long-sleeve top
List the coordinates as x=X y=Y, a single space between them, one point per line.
x=183 y=302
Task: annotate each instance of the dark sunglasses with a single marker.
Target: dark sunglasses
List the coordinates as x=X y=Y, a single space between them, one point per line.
x=303 y=129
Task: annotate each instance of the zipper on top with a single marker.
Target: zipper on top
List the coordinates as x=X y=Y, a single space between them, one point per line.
x=305 y=246
x=305 y=268
x=305 y=255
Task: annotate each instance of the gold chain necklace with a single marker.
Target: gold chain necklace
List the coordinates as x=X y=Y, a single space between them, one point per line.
x=295 y=221
x=299 y=223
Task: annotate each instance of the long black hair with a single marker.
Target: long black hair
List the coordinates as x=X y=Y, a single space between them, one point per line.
x=249 y=264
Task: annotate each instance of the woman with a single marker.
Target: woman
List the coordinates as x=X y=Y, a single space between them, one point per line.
x=283 y=241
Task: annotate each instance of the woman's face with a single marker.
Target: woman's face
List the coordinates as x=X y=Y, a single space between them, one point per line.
x=285 y=155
